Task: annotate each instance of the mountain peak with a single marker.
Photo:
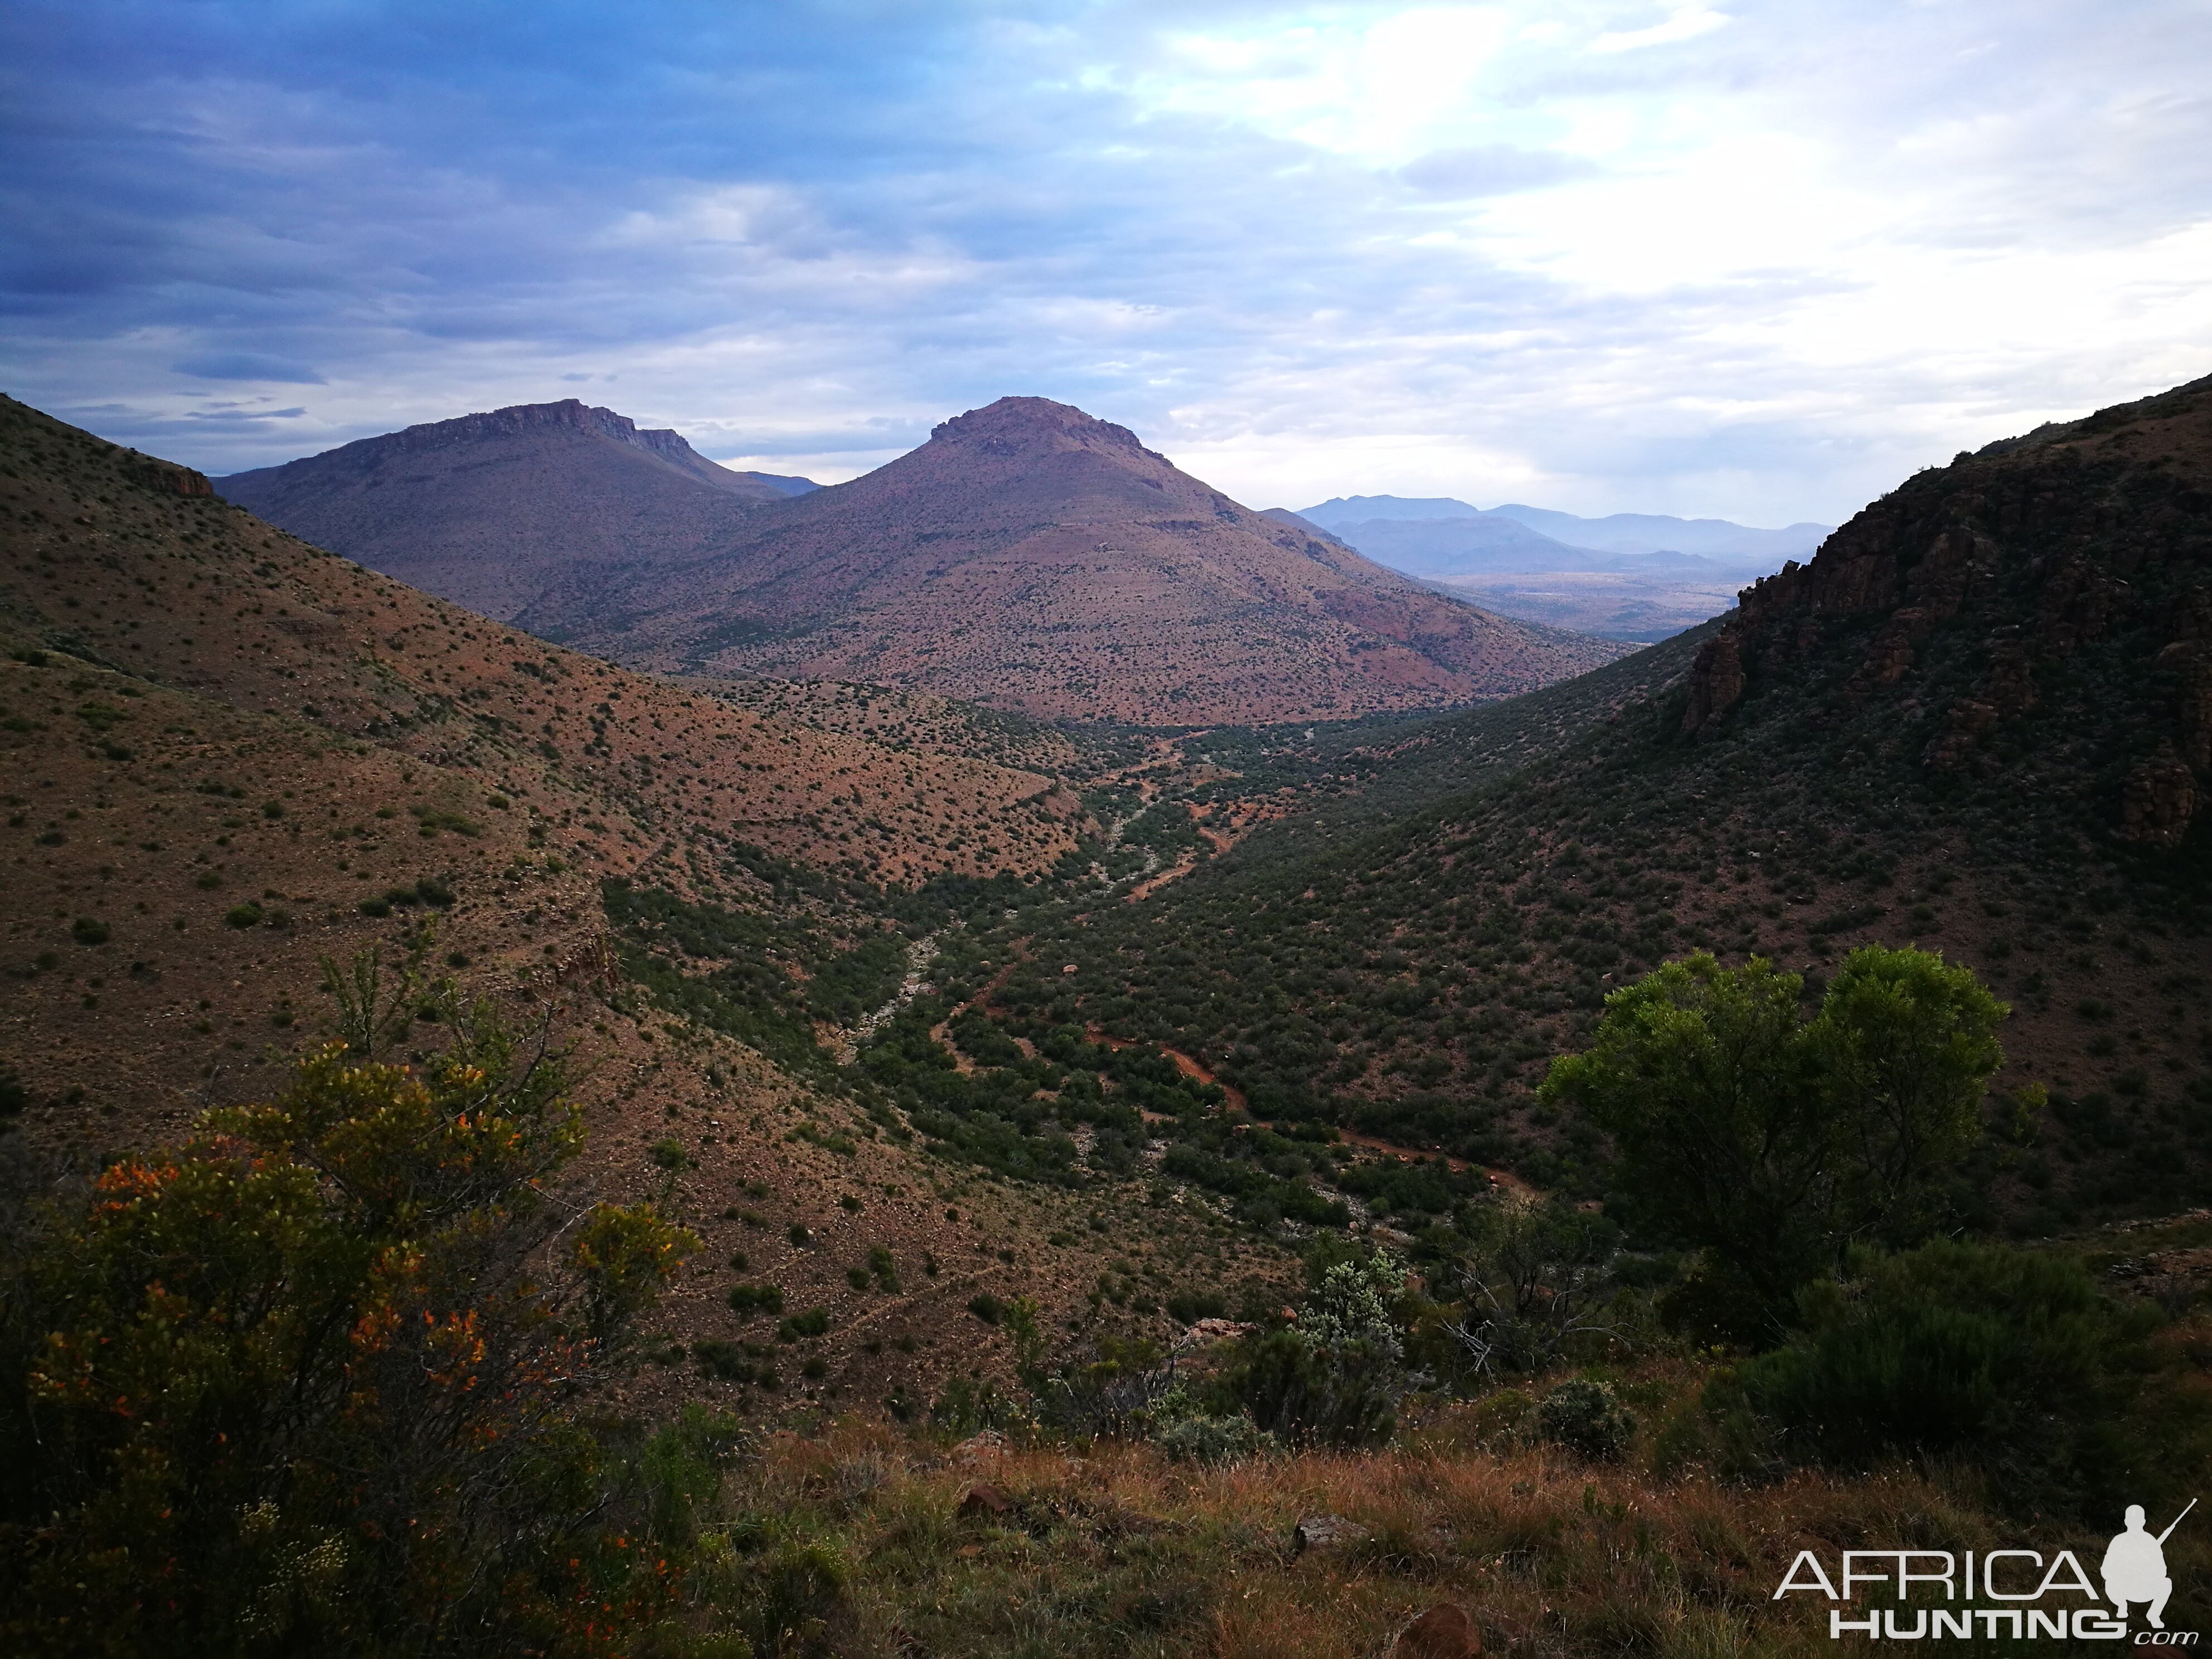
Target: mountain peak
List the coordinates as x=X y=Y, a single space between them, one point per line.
x=1032 y=425
x=570 y=412
x=489 y=508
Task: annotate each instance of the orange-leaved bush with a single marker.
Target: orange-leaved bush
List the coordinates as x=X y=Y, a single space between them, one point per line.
x=307 y=1383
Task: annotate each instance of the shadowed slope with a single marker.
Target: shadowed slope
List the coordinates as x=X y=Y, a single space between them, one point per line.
x=1979 y=720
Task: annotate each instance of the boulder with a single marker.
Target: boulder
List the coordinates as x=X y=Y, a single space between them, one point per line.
x=1320 y=1532
x=1444 y=1631
x=986 y=1502
x=989 y=1443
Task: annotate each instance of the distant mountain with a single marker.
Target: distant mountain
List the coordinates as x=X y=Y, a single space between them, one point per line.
x=398 y=740
x=1303 y=525
x=1032 y=557
x=780 y=481
x=491 y=509
x=1635 y=577
x=1621 y=532
x=1449 y=549
x=1655 y=532
x=1341 y=510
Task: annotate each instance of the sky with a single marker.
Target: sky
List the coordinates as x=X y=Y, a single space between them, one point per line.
x=1750 y=260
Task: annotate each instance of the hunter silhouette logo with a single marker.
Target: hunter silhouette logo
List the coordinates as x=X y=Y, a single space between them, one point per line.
x=2135 y=1566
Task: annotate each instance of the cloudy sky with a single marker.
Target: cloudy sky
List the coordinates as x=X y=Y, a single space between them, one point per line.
x=1753 y=259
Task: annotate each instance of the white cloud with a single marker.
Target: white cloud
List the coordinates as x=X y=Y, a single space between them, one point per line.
x=1383 y=90
x=1686 y=23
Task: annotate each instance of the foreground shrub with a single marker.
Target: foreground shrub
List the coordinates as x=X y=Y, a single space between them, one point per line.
x=1337 y=1374
x=1586 y=1418
x=1211 y=1439
x=2010 y=1358
x=295 y=1387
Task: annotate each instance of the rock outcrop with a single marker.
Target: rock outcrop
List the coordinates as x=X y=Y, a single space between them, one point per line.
x=2080 y=557
x=2160 y=801
x=1716 y=680
x=175 y=479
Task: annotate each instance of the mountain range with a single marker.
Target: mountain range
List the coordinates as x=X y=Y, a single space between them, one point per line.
x=952 y=1038
x=1619 y=533
x=1028 y=557
x=1633 y=576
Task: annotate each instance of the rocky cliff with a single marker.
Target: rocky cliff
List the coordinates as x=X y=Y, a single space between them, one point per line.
x=2077 y=559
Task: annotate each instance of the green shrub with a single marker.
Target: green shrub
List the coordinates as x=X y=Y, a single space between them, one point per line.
x=670 y=1155
x=986 y=1307
x=433 y=821
x=1585 y=1416
x=815 y=1321
x=730 y=1362
x=1336 y=1377
x=1211 y=1439
x=885 y=1269
x=247 y=914
x=966 y=1406
x=90 y=930
x=792 y=1590
x=749 y=1300
x=375 y=907
x=2011 y=1358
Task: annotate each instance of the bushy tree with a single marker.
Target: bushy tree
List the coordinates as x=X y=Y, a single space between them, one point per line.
x=1776 y=1143
x=1336 y=1374
x=297 y=1387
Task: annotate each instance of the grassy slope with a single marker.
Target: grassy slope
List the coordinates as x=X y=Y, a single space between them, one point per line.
x=1120 y=1553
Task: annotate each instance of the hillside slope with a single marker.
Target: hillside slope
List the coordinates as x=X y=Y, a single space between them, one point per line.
x=204 y=715
x=1030 y=558
x=489 y=510
x=1976 y=720
x=228 y=756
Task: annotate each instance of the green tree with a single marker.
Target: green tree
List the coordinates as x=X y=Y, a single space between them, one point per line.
x=1905 y=1045
x=1773 y=1142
